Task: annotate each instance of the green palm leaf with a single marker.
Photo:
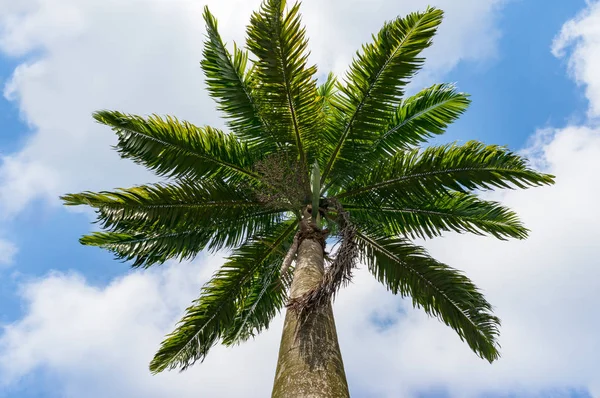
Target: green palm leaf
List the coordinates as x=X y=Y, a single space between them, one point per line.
x=459 y=212
x=440 y=290
x=287 y=89
x=177 y=205
x=330 y=119
x=375 y=84
x=439 y=169
x=419 y=117
x=325 y=92
x=154 y=244
x=214 y=313
x=179 y=149
x=230 y=84
x=416 y=119
x=146 y=248
x=267 y=295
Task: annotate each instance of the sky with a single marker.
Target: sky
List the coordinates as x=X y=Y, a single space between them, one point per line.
x=74 y=322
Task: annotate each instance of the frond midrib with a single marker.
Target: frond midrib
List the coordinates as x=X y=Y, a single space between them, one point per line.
x=179 y=233
x=340 y=143
x=432 y=212
x=288 y=94
x=151 y=238
x=251 y=311
x=411 y=269
x=232 y=292
x=195 y=154
x=208 y=204
x=410 y=119
x=242 y=83
x=423 y=174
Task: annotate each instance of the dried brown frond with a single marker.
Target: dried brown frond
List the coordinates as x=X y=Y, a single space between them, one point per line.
x=339 y=272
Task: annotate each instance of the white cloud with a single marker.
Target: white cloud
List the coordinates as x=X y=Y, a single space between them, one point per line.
x=142 y=56
x=84 y=335
x=581 y=37
x=8 y=250
x=544 y=289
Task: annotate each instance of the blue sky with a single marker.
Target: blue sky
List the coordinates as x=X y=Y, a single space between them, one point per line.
x=524 y=87
x=518 y=87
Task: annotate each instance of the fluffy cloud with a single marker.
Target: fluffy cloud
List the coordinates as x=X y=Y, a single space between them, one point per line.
x=141 y=56
x=581 y=36
x=83 y=336
x=7 y=252
x=545 y=290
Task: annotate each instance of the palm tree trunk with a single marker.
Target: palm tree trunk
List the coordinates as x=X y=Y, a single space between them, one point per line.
x=310 y=363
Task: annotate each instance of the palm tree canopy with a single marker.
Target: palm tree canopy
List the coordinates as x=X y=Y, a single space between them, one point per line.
x=350 y=146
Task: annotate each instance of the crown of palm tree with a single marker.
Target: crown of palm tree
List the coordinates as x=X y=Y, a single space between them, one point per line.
x=350 y=148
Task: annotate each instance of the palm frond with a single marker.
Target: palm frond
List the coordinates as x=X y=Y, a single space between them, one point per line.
x=375 y=85
x=146 y=249
x=185 y=204
x=267 y=295
x=154 y=244
x=286 y=86
x=441 y=291
x=419 y=117
x=179 y=149
x=330 y=119
x=229 y=83
x=214 y=313
x=438 y=169
x=457 y=211
x=326 y=90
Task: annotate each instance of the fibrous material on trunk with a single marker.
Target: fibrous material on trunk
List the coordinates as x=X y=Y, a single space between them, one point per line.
x=340 y=270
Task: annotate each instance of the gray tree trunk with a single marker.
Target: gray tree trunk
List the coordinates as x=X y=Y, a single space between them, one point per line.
x=310 y=363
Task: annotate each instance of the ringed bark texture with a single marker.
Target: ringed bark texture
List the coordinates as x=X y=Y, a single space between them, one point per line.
x=310 y=363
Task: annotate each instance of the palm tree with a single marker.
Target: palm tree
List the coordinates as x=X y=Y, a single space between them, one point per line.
x=306 y=164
